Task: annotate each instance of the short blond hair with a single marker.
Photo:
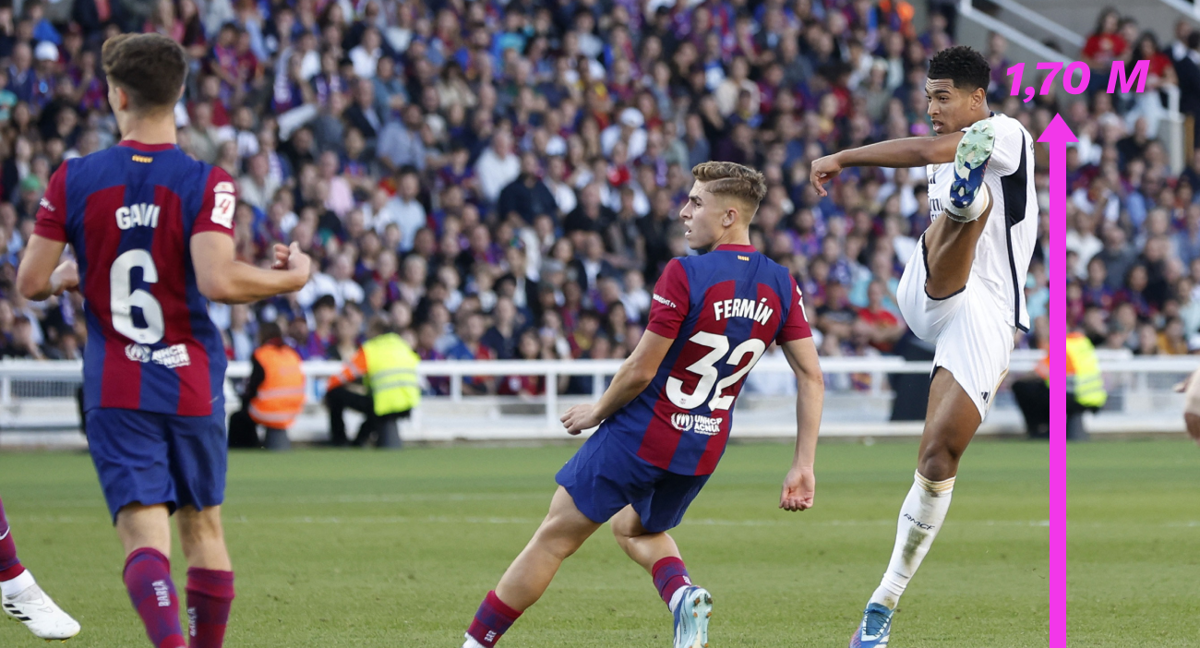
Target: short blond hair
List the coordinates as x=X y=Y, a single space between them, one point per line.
x=732 y=180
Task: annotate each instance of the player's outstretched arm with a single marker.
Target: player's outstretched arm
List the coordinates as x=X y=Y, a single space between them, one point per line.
x=222 y=278
x=801 y=481
x=40 y=274
x=634 y=376
x=897 y=154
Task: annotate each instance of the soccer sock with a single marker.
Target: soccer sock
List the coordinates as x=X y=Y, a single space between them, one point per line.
x=670 y=577
x=972 y=211
x=921 y=517
x=209 y=597
x=148 y=579
x=10 y=566
x=492 y=620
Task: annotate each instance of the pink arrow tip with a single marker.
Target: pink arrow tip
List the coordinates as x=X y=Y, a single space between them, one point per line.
x=1057 y=132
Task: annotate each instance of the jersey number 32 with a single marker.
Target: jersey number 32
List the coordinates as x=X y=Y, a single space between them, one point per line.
x=706 y=368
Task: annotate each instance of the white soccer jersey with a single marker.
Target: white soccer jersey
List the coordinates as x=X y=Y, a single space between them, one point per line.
x=1006 y=246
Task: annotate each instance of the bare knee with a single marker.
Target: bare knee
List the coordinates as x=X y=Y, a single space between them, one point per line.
x=558 y=539
x=1193 y=425
x=200 y=532
x=938 y=461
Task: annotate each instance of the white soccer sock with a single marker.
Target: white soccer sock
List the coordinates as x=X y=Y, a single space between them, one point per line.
x=471 y=643
x=676 y=598
x=974 y=210
x=921 y=517
x=17 y=585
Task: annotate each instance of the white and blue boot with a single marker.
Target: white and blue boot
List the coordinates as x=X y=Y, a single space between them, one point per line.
x=875 y=628
x=970 y=161
x=691 y=618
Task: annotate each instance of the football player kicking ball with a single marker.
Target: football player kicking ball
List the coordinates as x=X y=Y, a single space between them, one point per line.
x=152 y=230
x=963 y=288
x=665 y=419
x=21 y=597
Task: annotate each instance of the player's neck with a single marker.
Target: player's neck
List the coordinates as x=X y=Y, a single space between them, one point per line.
x=149 y=131
x=735 y=238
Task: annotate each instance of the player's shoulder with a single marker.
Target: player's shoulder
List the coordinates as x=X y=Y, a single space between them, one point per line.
x=1006 y=127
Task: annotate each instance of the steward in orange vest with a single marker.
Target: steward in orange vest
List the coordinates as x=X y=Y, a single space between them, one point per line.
x=274 y=395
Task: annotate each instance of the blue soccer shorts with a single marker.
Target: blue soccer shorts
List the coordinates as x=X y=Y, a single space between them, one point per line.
x=604 y=477
x=150 y=458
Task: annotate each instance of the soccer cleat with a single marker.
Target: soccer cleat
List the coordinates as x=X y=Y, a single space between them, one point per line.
x=691 y=618
x=875 y=628
x=40 y=614
x=970 y=161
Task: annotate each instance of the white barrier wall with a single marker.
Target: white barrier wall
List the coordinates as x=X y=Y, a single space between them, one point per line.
x=37 y=405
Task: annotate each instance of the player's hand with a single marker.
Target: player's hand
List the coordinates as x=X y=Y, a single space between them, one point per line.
x=65 y=277
x=798 y=489
x=823 y=170
x=580 y=418
x=299 y=264
x=281 y=257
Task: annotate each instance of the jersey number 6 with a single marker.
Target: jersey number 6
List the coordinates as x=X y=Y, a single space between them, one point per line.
x=706 y=368
x=124 y=300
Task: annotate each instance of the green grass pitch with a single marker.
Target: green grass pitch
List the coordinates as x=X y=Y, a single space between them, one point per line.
x=1133 y=544
x=360 y=548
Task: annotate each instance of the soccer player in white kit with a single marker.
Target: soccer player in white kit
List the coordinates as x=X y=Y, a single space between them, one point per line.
x=963 y=288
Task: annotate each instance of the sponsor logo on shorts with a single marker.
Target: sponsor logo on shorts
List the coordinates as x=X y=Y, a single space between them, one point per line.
x=170 y=357
x=695 y=423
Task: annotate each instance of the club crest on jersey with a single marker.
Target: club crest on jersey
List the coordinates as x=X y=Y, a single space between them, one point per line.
x=705 y=425
x=170 y=357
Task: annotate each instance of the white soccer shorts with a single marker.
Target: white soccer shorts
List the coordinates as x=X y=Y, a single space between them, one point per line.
x=973 y=337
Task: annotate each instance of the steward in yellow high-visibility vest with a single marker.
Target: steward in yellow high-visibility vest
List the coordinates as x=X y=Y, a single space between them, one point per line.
x=387 y=366
x=1085 y=384
x=274 y=395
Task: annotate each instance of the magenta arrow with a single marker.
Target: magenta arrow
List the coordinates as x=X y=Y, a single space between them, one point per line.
x=1056 y=136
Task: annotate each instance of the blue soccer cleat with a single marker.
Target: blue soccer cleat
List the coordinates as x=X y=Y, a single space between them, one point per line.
x=875 y=628
x=691 y=618
x=970 y=161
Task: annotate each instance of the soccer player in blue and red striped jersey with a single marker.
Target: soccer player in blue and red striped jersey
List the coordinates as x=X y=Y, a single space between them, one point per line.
x=152 y=234
x=665 y=419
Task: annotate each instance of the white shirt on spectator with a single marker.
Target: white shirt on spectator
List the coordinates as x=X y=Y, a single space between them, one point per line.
x=1084 y=245
x=322 y=284
x=636 y=302
x=365 y=62
x=408 y=215
x=495 y=173
x=564 y=196
x=636 y=145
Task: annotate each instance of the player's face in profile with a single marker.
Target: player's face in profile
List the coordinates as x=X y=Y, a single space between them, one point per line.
x=702 y=215
x=949 y=108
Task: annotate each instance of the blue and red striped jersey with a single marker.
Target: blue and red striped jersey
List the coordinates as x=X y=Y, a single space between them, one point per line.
x=129 y=212
x=723 y=310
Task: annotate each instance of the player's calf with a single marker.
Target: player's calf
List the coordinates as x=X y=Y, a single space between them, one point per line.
x=148 y=579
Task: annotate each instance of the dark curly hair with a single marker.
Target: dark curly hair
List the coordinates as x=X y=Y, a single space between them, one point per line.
x=964 y=66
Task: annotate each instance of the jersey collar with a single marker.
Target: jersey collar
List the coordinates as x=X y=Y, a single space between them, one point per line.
x=730 y=247
x=147 y=148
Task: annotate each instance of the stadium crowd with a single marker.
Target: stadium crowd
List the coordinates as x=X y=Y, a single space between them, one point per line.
x=1133 y=239
x=503 y=180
